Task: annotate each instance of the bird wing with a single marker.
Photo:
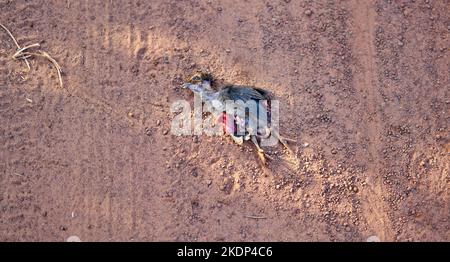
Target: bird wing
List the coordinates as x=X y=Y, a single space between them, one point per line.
x=244 y=93
x=255 y=120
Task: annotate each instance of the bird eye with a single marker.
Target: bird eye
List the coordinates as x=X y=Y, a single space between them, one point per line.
x=196 y=78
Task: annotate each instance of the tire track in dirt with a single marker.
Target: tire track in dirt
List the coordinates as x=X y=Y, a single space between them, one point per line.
x=317 y=46
x=98 y=173
x=367 y=87
x=88 y=59
x=104 y=27
x=77 y=190
x=18 y=170
x=321 y=48
x=413 y=75
x=131 y=183
x=116 y=113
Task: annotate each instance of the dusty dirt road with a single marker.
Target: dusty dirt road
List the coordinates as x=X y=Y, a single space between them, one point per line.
x=363 y=87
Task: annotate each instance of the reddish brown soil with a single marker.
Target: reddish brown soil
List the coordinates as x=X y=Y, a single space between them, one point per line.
x=363 y=87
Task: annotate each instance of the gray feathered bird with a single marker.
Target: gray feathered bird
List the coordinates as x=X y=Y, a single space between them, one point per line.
x=201 y=82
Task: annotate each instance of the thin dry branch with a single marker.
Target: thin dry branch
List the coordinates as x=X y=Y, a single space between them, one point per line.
x=17 y=44
x=18 y=53
x=21 y=54
x=255 y=217
x=9 y=33
x=48 y=57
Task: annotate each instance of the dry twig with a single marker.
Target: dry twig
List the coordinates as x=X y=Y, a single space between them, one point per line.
x=48 y=57
x=17 y=44
x=255 y=217
x=23 y=54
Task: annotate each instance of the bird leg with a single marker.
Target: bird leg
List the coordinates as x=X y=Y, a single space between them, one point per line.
x=237 y=140
x=287 y=139
x=283 y=141
x=259 y=150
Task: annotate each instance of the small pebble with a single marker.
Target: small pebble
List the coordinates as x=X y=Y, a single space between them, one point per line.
x=148 y=131
x=73 y=239
x=308 y=12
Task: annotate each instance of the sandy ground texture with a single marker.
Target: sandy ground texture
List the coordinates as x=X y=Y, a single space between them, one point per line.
x=363 y=87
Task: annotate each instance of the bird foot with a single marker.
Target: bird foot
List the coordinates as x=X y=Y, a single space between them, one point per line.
x=283 y=141
x=237 y=140
x=262 y=157
x=288 y=139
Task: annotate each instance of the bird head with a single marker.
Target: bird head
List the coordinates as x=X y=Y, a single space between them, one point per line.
x=199 y=82
x=199 y=77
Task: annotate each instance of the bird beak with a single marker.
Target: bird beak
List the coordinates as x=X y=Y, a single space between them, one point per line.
x=185 y=85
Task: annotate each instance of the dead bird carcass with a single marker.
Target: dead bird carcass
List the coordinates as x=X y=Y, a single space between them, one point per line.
x=244 y=112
